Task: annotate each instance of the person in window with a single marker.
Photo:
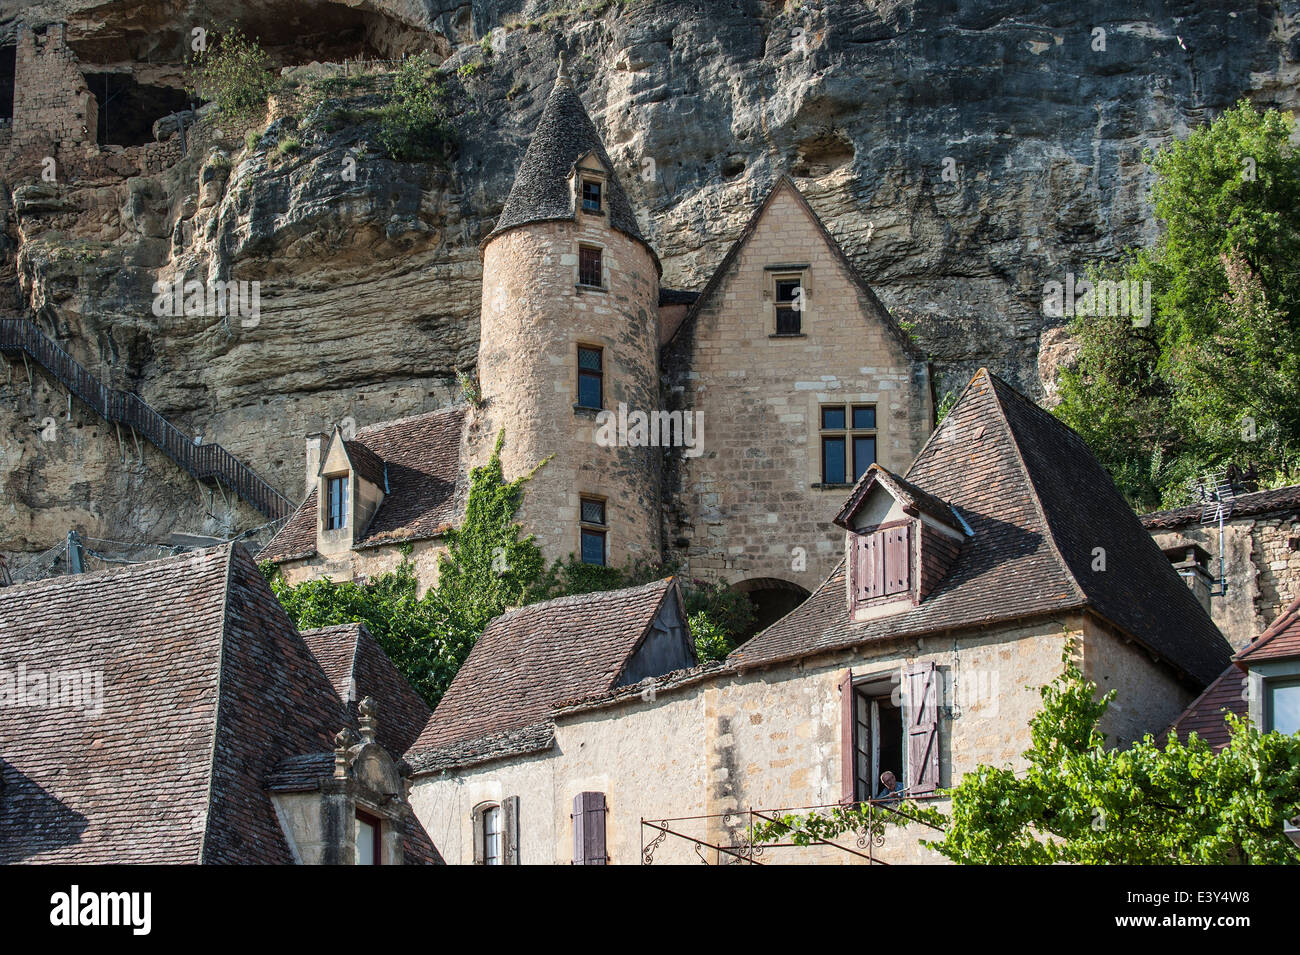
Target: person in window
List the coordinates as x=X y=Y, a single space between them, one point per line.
x=890 y=787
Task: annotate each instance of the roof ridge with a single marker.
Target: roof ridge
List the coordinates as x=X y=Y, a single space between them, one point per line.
x=569 y=600
x=216 y=706
x=1289 y=615
x=1049 y=533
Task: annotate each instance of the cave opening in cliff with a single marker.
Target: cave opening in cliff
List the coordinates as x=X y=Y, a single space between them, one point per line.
x=772 y=598
x=128 y=110
x=330 y=33
x=7 y=63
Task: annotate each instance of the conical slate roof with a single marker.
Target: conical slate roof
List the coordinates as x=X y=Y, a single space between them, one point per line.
x=541 y=190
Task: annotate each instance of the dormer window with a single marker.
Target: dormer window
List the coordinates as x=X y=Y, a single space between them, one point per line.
x=882 y=563
x=591 y=196
x=336 y=504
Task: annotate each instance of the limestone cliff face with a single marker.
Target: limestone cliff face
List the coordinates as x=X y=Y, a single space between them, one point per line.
x=964 y=153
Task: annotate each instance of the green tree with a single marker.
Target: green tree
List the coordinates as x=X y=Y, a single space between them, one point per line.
x=1080 y=801
x=415 y=123
x=234 y=72
x=1215 y=379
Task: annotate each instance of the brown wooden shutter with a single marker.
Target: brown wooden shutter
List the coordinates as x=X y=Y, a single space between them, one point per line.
x=510 y=830
x=922 y=729
x=861 y=571
x=589 y=829
x=898 y=560
x=480 y=850
x=848 y=740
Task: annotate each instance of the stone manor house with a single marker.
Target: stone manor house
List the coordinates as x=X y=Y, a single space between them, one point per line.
x=916 y=586
x=713 y=431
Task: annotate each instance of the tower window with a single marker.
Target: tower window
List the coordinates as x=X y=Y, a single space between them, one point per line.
x=789 y=305
x=591 y=377
x=593 y=530
x=336 y=512
x=589 y=266
x=590 y=195
x=848 y=442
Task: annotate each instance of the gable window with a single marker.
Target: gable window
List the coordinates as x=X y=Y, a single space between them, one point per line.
x=889 y=749
x=848 y=442
x=789 y=305
x=336 y=493
x=591 y=377
x=589 y=266
x=1283 y=706
x=593 y=531
x=590 y=195
x=369 y=831
x=882 y=563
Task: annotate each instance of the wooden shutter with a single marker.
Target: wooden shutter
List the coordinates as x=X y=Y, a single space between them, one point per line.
x=869 y=568
x=589 y=829
x=848 y=740
x=480 y=850
x=510 y=830
x=922 y=729
x=898 y=560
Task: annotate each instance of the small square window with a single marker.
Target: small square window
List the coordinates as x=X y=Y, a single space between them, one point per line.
x=833 y=418
x=589 y=266
x=591 y=377
x=864 y=416
x=593 y=512
x=590 y=196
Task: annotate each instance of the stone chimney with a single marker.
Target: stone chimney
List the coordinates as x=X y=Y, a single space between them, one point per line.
x=315 y=445
x=1192 y=561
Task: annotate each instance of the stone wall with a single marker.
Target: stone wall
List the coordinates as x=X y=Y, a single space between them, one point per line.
x=369 y=562
x=534 y=317
x=52 y=103
x=755 y=494
x=770 y=739
x=1261 y=564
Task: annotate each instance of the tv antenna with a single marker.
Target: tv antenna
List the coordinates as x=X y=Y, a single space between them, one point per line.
x=1213 y=491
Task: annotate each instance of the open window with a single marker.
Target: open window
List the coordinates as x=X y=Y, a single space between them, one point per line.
x=336 y=502
x=889 y=734
x=589 y=813
x=496 y=832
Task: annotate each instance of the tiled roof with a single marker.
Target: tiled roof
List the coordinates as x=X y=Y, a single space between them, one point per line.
x=421 y=458
x=541 y=190
x=1246 y=505
x=1280 y=641
x=1227 y=694
x=1205 y=715
x=529 y=659
x=721 y=273
x=357 y=668
x=1040 y=507
x=206 y=688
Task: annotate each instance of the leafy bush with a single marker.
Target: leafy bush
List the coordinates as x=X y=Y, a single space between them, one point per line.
x=415 y=125
x=234 y=72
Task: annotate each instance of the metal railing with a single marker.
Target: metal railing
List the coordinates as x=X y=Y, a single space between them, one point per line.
x=209 y=462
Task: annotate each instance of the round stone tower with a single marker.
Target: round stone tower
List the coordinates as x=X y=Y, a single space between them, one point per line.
x=569 y=347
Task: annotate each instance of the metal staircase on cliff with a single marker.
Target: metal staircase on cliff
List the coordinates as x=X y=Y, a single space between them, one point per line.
x=204 y=461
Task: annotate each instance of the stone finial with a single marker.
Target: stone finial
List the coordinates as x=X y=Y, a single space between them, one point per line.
x=344 y=740
x=562 y=74
x=368 y=713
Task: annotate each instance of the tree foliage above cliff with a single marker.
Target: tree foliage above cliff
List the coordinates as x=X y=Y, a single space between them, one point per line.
x=1079 y=801
x=1214 y=379
x=415 y=123
x=232 y=71
x=489 y=567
